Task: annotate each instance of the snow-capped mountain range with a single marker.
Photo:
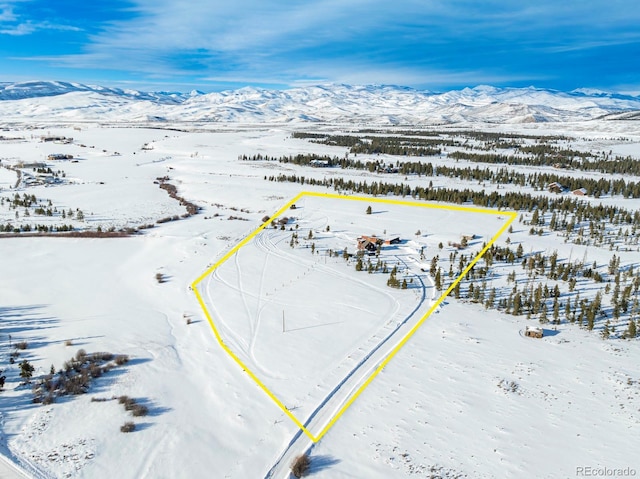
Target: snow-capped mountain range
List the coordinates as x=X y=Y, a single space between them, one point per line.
x=323 y=103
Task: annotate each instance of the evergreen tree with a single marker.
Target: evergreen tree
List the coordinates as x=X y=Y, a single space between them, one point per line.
x=517 y=303
x=438 y=280
x=369 y=211
x=567 y=312
x=491 y=299
x=605 y=331
x=631 y=330
x=543 y=314
x=393 y=281
x=26 y=370
x=434 y=266
x=535 y=218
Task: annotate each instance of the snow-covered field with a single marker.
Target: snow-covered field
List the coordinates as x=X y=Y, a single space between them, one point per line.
x=468 y=396
x=303 y=315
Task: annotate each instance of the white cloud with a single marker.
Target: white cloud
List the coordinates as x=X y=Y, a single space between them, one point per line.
x=351 y=41
x=19 y=25
x=19 y=29
x=28 y=28
x=578 y=45
x=6 y=14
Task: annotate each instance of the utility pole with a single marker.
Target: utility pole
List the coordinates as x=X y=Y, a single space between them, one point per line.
x=283 y=320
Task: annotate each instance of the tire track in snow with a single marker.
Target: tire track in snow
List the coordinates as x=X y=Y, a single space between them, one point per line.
x=301 y=442
x=352 y=380
x=234 y=338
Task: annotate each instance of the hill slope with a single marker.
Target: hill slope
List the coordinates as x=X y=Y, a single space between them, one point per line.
x=335 y=103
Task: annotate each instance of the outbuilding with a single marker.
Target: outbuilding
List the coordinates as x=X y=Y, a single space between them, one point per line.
x=534 y=332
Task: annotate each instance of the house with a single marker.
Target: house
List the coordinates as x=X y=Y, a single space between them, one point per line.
x=533 y=332
x=31 y=181
x=59 y=156
x=373 y=239
x=319 y=164
x=367 y=245
x=580 y=192
x=467 y=237
x=555 y=187
x=57 y=139
x=372 y=243
x=47 y=178
x=387 y=169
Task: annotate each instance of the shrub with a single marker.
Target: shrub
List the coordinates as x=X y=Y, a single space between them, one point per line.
x=75 y=385
x=22 y=345
x=75 y=376
x=95 y=370
x=300 y=465
x=122 y=359
x=130 y=404
x=97 y=357
x=139 y=410
x=128 y=427
x=81 y=355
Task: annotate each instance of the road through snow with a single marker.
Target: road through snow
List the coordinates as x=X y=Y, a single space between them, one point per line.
x=368 y=354
x=343 y=391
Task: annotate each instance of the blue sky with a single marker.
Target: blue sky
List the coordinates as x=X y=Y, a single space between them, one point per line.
x=426 y=44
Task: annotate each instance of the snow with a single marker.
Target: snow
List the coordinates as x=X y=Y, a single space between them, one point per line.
x=467 y=395
x=321 y=299
x=570 y=394
x=379 y=104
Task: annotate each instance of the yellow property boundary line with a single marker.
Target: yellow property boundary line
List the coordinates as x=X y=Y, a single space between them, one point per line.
x=511 y=214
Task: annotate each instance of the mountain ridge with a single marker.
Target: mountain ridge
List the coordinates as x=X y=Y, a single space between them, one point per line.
x=379 y=104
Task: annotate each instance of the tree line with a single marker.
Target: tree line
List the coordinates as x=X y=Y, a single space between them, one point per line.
x=512 y=200
x=537 y=180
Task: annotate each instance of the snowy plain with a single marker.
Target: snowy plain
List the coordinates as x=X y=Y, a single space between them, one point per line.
x=468 y=396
